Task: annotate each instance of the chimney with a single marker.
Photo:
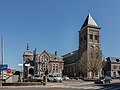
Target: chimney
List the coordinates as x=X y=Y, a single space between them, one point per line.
x=55 y=53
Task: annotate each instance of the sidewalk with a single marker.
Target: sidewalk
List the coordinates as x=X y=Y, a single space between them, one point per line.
x=115 y=81
x=54 y=85
x=60 y=85
x=69 y=84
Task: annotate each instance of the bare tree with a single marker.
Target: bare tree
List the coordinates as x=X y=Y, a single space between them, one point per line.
x=83 y=64
x=91 y=61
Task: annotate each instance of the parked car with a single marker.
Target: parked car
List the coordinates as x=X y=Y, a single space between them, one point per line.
x=115 y=77
x=107 y=79
x=37 y=77
x=54 y=78
x=66 y=78
x=98 y=81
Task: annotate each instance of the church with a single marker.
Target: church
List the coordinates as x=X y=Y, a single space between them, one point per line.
x=89 y=47
x=34 y=63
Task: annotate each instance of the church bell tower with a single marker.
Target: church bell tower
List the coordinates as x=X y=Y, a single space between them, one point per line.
x=89 y=36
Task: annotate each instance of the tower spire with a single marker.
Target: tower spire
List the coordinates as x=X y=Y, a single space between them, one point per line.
x=89 y=21
x=35 y=51
x=27 y=45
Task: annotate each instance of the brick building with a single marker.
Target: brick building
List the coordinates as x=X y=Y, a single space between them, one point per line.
x=34 y=63
x=50 y=62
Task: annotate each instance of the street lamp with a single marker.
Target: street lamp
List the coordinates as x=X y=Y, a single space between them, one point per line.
x=94 y=45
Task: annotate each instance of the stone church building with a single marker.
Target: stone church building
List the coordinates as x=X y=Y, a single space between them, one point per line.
x=34 y=63
x=89 y=38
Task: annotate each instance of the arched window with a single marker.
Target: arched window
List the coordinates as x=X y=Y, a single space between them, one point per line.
x=44 y=62
x=44 y=58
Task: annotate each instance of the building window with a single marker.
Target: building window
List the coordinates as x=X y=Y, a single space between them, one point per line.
x=96 y=38
x=114 y=67
x=67 y=69
x=70 y=69
x=114 y=74
x=85 y=37
x=55 y=68
x=91 y=37
x=43 y=67
x=81 y=39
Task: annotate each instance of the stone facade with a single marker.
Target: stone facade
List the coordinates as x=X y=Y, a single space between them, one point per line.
x=89 y=39
x=112 y=67
x=70 y=65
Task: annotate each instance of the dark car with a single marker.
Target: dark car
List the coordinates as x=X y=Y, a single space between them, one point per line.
x=107 y=79
x=98 y=81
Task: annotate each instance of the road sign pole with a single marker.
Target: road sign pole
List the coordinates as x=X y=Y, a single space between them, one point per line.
x=2 y=52
x=0 y=79
x=45 y=79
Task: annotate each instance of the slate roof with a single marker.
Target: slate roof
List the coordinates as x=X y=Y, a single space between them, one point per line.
x=27 y=52
x=54 y=57
x=89 y=21
x=70 y=54
x=112 y=59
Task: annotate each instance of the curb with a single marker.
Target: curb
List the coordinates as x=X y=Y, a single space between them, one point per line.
x=52 y=85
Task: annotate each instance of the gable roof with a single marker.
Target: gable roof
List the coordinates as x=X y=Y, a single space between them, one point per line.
x=52 y=56
x=89 y=21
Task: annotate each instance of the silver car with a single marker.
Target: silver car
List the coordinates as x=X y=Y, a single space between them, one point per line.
x=54 y=78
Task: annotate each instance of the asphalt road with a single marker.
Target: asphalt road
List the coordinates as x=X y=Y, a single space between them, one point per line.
x=112 y=86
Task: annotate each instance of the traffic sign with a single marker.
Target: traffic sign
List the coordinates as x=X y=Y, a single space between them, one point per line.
x=9 y=70
x=4 y=67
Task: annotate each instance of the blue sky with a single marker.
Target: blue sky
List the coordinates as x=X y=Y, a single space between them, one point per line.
x=53 y=25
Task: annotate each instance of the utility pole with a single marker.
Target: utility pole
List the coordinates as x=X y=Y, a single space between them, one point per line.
x=2 y=42
x=2 y=54
x=2 y=58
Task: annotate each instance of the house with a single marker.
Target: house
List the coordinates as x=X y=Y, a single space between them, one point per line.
x=111 y=67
